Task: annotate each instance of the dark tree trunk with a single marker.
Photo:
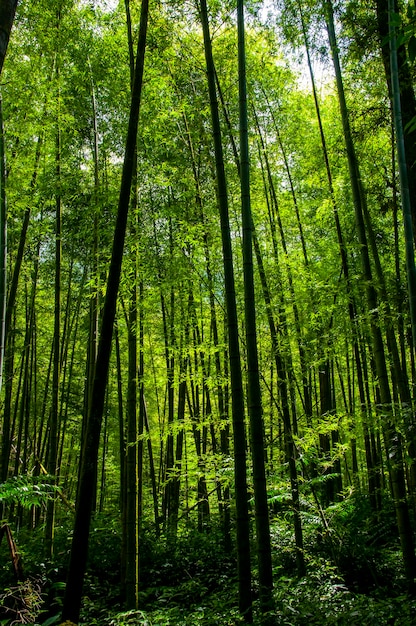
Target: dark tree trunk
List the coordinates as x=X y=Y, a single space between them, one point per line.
x=3 y=247
x=56 y=373
x=407 y=96
x=237 y=394
x=391 y=436
x=79 y=550
x=254 y=391
x=7 y=12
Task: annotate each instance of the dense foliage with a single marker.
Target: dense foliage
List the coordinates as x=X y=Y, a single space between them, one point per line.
x=333 y=324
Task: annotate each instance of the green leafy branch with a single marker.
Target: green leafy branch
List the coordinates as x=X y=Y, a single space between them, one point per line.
x=28 y=491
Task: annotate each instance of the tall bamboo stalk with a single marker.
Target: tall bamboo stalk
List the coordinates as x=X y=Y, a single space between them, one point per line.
x=79 y=549
x=237 y=394
x=391 y=436
x=254 y=392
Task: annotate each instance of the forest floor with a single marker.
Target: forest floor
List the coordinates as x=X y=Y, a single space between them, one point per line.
x=309 y=601
x=354 y=577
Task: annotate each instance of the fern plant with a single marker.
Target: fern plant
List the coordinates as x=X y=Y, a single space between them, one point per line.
x=27 y=491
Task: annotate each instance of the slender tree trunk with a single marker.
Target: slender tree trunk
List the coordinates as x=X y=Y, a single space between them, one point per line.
x=122 y=455
x=8 y=338
x=239 y=434
x=403 y=92
x=284 y=400
x=169 y=337
x=95 y=272
x=292 y=190
x=176 y=478
x=254 y=392
x=152 y=468
x=403 y=172
x=194 y=404
x=222 y=497
x=351 y=298
x=104 y=449
x=22 y=401
x=54 y=413
x=141 y=421
x=78 y=558
x=43 y=431
x=325 y=409
x=67 y=383
x=132 y=500
x=273 y=215
x=391 y=437
x=3 y=247
x=131 y=456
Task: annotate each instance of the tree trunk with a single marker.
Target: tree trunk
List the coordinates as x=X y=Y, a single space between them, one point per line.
x=7 y=12
x=3 y=247
x=54 y=412
x=131 y=456
x=391 y=437
x=284 y=400
x=237 y=394
x=132 y=474
x=403 y=92
x=403 y=171
x=78 y=557
x=8 y=339
x=254 y=392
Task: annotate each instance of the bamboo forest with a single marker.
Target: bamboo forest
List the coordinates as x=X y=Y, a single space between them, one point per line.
x=207 y=312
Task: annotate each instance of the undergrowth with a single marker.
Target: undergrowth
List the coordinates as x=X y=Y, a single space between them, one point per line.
x=354 y=575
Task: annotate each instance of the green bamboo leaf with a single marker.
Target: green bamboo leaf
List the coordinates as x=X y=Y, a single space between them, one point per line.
x=411 y=126
x=52 y=620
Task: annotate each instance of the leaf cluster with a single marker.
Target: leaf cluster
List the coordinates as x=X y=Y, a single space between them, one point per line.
x=27 y=491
